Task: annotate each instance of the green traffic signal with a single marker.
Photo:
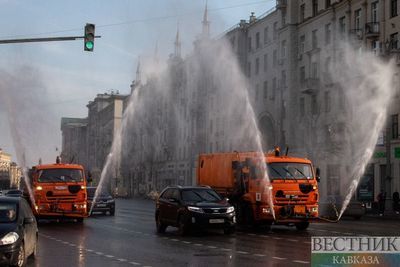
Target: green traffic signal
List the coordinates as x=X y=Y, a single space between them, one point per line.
x=89 y=37
x=89 y=45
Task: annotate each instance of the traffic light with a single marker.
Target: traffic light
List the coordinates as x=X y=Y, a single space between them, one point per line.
x=89 y=37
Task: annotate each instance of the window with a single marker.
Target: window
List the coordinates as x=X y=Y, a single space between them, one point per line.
x=328 y=34
x=394 y=40
x=314 y=69
x=257 y=92
x=283 y=81
x=273 y=89
x=302 y=75
x=232 y=41
x=395 y=126
x=265 y=62
x=257 y=40
x=266 y=37
x=275 y=30
x=302 y=12
x=283 y=18
x=302 y=44
x=314 y=105
x=275 y=58
x=249 y=44
x=327 y=3
x=357 y=19
x=342 y=26
x=327 y=97
x=257 y=66
x=314 y=39
x=315 y=8
x=302 y=107
x=249 y=69
x=374 y=12
x=265 y=89
x=283 y=49
x=393 y=8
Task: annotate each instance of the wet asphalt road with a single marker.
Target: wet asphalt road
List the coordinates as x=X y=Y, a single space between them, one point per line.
x=130 y=239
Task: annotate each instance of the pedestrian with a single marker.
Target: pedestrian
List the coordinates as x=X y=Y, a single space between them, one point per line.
x=396 y=202
x=381 y=202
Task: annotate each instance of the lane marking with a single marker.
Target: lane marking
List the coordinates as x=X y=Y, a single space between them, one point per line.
x=226 y=249
x=187 y=242
x=279 y=258
x=109 y=256
x=302 y=262
x=211 y=247
x=174 y=239
x=259 y=255
x=134 y=263
x=242 y=252
x=292 y=240
x=122 y=260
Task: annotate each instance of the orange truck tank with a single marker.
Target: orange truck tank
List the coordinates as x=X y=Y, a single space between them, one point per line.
x=239 y=176
x=59 y=191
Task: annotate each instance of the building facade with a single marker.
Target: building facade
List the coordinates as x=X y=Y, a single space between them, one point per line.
x=10 y=173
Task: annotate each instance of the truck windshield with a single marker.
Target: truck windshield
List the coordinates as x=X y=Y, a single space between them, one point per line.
x=289 y=170
x=60 y=175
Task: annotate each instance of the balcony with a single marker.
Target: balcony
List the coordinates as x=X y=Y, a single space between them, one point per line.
x=310 y=86
x=372 y=29
x=281 y=4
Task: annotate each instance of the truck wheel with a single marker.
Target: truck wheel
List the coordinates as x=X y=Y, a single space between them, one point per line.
x=161 y=227
x=302 y=226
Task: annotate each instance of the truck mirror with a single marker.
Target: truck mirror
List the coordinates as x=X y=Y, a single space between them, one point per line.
x=318 y=173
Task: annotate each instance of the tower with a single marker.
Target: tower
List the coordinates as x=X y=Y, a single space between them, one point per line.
x=177 y=44
x=206 y=24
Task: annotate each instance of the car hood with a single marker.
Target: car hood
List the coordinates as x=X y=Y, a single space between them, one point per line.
x=207 y=204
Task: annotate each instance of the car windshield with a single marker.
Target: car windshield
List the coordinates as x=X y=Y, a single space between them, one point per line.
x=60 y=175
x=8 y=212
x=289 y=170
x=199 y=195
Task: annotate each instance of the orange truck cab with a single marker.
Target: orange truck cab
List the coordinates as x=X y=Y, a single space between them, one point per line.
x=59 y=190
x=290 y=195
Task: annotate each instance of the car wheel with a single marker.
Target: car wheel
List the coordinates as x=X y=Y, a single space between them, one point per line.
x=112 y=212
x=229 y=230
x=161 y=227
x=182 y=225
x=302 y=225
x=79 y=220
x=21 y=258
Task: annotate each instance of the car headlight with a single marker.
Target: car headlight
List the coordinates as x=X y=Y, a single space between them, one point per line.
x=195 y=209
x=9 y=238
x=230 y=209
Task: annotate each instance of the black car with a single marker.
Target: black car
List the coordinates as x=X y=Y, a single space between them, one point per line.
x=14 y=193
x=104 y=202
x=193 y=208
x=18 y=232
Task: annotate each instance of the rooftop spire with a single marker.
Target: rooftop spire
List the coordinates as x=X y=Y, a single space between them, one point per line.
x=206 y=23
x=177 y=43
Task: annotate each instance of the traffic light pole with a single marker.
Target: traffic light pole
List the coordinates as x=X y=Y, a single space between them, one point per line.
x=45 y=39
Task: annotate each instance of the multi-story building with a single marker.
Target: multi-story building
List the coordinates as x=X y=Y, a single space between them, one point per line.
x=288 y=54
x=88 y=141
x=10 y=173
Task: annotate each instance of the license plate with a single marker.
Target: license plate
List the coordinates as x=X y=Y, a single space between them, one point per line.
x=60 y=187
x=101 y=205
x=217 y=220
x=299 y=209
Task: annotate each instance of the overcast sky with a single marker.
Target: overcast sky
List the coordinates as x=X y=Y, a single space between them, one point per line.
x=70 y=77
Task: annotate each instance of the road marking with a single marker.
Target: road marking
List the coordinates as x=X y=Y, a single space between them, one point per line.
x=242 y=252
x=302 y=262
x=199 y=245
x=226 y=249
x=89 y=250
x=174 y=239
x=292 y=240
x=122 y=260
x=259 y=255
x=307 y=242
x=211 y=247
x=109 y=256
x=277 y=238
x=99 y=253
x=134 y=263
x=279 y=258
x=187 y=242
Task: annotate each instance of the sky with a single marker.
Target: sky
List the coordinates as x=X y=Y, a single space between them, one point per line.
x=68 y=76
